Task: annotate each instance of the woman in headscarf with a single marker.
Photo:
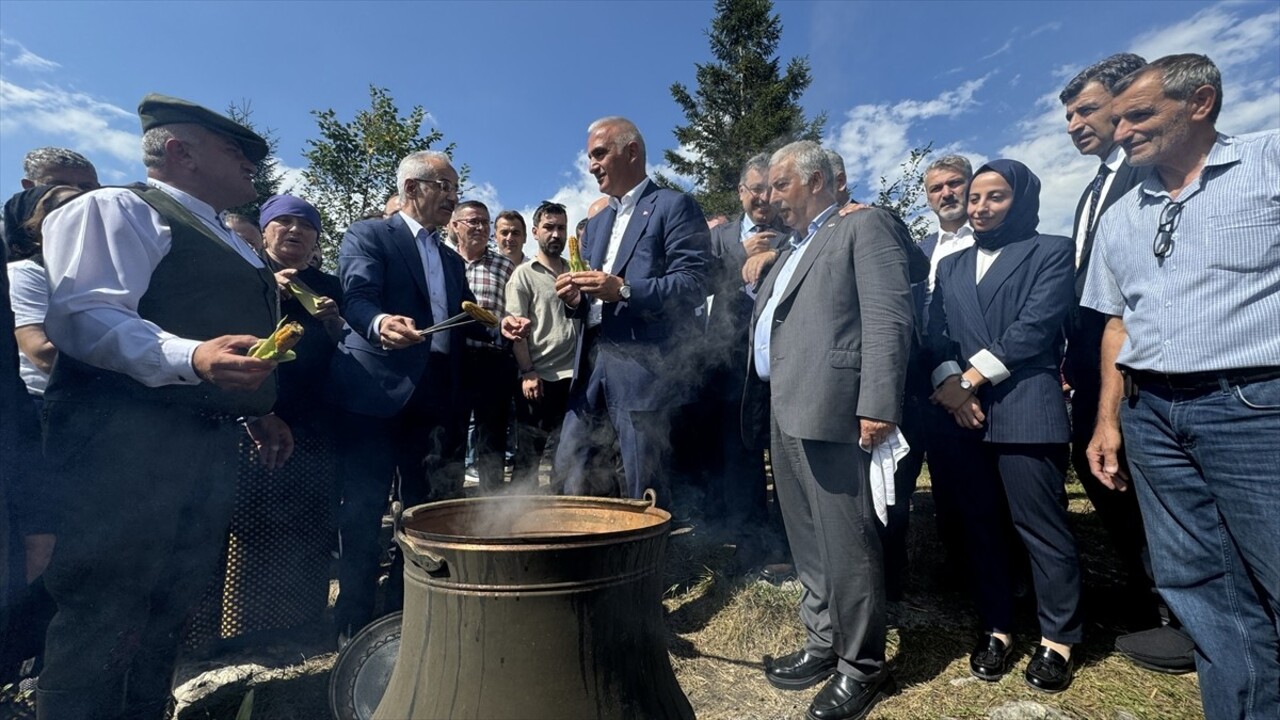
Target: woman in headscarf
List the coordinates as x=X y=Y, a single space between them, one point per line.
x=995 y=331
x=277 y=571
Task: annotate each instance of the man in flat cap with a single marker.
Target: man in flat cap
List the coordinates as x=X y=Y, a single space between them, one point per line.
x=153 y=305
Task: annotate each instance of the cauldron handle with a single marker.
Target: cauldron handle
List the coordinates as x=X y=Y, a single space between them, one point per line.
x=648 y=500
x=429 y=562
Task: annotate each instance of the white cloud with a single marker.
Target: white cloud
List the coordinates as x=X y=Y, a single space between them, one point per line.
x=1047 y=27
x=1008 y=44
x=85 y=122
x=24 y=58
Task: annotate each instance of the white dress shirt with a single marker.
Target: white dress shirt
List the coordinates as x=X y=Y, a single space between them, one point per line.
x=949 y=243
x=1113 y=162
x=983 y=361
x=624 y=207
x=100 y=252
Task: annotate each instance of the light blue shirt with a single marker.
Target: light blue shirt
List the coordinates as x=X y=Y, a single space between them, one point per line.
x=433 y=266
x=1213 y=303
x=764 y=325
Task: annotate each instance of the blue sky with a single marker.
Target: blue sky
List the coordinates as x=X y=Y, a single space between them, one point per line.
x=514 y=84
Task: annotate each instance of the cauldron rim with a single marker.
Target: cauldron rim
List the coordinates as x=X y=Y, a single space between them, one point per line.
x=659 y=522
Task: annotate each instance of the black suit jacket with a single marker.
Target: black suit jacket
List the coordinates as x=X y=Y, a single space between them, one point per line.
x=1082 y=366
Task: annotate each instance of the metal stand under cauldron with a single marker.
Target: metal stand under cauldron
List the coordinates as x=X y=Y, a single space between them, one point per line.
x=527 y=608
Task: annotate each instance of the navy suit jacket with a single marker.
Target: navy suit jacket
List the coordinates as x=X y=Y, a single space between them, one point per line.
x=1016 y=313
x=381 y=272
x=1084 y=332
x=664 y=259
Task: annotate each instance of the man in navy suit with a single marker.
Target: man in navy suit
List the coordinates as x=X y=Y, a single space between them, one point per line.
x=1087 y=101
x=398 y=390
x=648 y=252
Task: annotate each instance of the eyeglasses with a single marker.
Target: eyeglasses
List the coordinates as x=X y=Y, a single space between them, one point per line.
x=754 y=189
x=474 y=222
x=1169 y=216
x=445 y=186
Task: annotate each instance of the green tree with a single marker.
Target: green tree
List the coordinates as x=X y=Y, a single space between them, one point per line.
x=744 y=104
x=351 y=167
x=268 y=178
x=905 y=196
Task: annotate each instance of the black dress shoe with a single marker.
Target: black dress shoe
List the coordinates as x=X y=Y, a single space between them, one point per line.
x=844 y=698
x=798 y=671
x=1048 y=671
x=778 y=573
x=1163 y=649
x=990 y=658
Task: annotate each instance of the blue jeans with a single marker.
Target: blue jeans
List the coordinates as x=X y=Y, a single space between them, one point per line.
x=1206 y=466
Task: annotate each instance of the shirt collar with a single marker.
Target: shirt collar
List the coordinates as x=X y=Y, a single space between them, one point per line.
x=414 y=226
x=815 y=224
x=964 y=231
x=198 y=207
x=629 y=199
x=1223 y=152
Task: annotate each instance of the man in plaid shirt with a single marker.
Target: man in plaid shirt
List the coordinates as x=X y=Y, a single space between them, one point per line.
x=488 y=369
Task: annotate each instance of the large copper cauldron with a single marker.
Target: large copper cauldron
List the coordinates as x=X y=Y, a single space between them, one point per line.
x=527 y=608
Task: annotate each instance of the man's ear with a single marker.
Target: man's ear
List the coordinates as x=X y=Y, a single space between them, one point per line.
x=1202 y=102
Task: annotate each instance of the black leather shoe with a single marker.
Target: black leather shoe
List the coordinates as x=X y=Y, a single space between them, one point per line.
x=844 y=698
x=990 y=658
x=1163 y=649
x=778 y=573
x=798 y=671
x=1048 y=671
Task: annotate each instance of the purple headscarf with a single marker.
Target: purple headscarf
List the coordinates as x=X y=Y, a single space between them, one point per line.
x=278 y=205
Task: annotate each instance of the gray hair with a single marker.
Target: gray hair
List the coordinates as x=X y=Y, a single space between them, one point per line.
x=1181 y=76
x=626 y=131
x=758 y=162
x=956 y=163
x=155 y=139
x=837 y=162
x=40 y=161
x=1106 y=72
x=809 y=158
x=419 y=165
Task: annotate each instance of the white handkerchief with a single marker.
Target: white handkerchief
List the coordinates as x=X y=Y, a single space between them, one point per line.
x=884 y=463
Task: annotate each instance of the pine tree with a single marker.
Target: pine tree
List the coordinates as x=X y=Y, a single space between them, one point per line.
x=743 y=105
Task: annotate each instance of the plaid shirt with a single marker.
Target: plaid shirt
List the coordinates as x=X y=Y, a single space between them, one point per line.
x=488 y=276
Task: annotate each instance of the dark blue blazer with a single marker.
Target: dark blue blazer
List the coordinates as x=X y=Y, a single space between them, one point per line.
x=664 y=257
x=1016 y=313
x=381 y=272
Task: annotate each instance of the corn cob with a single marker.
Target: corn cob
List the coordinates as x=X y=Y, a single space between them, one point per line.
x=576 y=263
x=482 y=315
x=279 y=345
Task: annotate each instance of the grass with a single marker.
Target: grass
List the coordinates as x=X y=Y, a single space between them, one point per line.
x=720 y=625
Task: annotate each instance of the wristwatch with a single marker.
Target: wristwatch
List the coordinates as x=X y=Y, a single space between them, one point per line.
x=625 y=291
x=966 y=384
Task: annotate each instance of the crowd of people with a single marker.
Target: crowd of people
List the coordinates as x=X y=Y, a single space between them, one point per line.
x=809 y=326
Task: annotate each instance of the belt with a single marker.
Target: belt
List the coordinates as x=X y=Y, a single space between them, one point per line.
x=1200 y=381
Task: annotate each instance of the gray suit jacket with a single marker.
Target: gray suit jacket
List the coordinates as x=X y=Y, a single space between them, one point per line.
x=842 y=329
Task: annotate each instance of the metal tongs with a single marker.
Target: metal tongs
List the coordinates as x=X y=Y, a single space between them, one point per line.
x=471 y=312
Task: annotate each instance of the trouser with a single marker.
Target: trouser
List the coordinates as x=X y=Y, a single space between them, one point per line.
x=1118 y=511
x=418 y=449
x=486 y=378
x=825 y=499
x=150 y=494
x=536 y=421
x=1026 y=481
x=1205 y=466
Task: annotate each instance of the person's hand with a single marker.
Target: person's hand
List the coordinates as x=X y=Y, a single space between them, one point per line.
x=283 y=278
x=760 y=242
x=1104 y=456
x=969 y=415
x=757 y=265
x=222 y=361
x=326 y=309
x=397 y=332
x=531 y=386
x=515 y=328
x=950 y=395
x=600 y=284
x=852 y=208
x=39 y=550
x=567 y=291
x=273 y=439
x=873 y=432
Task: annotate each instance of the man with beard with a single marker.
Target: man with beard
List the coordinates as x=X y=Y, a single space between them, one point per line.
x=545 y=358
x=399 y=390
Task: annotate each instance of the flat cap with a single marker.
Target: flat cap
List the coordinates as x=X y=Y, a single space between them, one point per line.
x=156 y=110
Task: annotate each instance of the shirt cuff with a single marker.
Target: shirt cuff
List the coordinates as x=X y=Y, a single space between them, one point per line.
x=377 y=321
x=991 y=368
x=177 y=353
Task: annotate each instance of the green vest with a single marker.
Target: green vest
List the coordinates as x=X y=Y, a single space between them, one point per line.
x=201 y=289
